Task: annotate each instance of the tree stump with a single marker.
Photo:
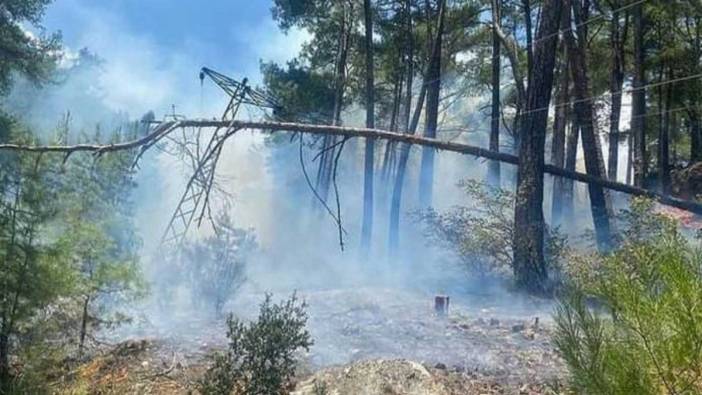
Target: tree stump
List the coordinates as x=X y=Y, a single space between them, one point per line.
x=441 y=305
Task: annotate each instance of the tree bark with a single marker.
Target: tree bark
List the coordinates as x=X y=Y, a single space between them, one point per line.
x=426 y=174
x=83 y=326
x=570 y=164
x=526 y=5
x=494 y=166
x=559 y=136
x=368 y=173
x=528 y=245
x=616 y=83
x=638 y=113
x=584 y=112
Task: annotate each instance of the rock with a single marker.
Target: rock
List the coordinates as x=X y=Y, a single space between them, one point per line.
x=373 y=377
x=529 y=334
x=440 y=366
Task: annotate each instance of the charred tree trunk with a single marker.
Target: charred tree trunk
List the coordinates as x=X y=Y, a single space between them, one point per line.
x=83 y=326
x=559 y=136
x=584 y=112
x=494 y=166
x=426 y=175
x=528 y=245
x=638 y=113
x=369 y=166
x=616 y=82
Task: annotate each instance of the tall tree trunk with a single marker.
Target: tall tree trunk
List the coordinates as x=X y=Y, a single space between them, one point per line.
x=410 y=126
x=528 y=245
x=512 y=52
x=616 y=82
x=584 y=112
x=570 y=164
x=326 y=162
x=559 y=136
x=396 y=202
x=368 y=173
x=494 y=166
x=663 y=137
x=426 y=174
x=526 y=5
x=638 y=111
x=389 y=155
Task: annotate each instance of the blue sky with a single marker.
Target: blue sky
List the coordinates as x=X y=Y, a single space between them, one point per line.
x=154 y=48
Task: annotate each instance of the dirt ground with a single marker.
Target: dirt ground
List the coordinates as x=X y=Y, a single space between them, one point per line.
x=367 y=341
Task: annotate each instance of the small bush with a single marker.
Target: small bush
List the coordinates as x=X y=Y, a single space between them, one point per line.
x=260 y=359
x=217 y=264
x=481 y=235
x=645 y=336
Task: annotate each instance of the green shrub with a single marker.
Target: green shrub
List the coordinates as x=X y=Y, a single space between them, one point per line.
x=481 y=234
x=644 y=335
x=260 y=359
x=217 y=264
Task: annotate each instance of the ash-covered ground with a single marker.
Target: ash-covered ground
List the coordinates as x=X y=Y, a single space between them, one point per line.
x=490 y=334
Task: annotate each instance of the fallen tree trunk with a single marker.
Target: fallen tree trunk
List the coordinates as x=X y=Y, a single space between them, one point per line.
x=164 y=128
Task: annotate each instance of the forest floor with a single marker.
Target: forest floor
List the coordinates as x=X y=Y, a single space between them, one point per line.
x=367 y=341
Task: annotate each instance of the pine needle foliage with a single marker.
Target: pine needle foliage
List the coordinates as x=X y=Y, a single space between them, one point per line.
x=644 y=336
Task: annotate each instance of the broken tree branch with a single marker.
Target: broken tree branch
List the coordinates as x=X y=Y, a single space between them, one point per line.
x=166 y=127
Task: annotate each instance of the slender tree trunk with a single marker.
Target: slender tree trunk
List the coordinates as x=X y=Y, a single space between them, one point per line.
x=410 y=126
x=512 y=52
x=664 y=138
x=638 y=113
x=7 y=320
x=695 y=137
x=83 y=326
x=616 y=83
x=528 y=245
x=559 y=137
x=570 y=164
x=426 y=175
x=326 y=162
x=630 y=157
x=494 y=166
x=369 y=168
x=389 y=155
x=584 y=112
x=396 y=202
